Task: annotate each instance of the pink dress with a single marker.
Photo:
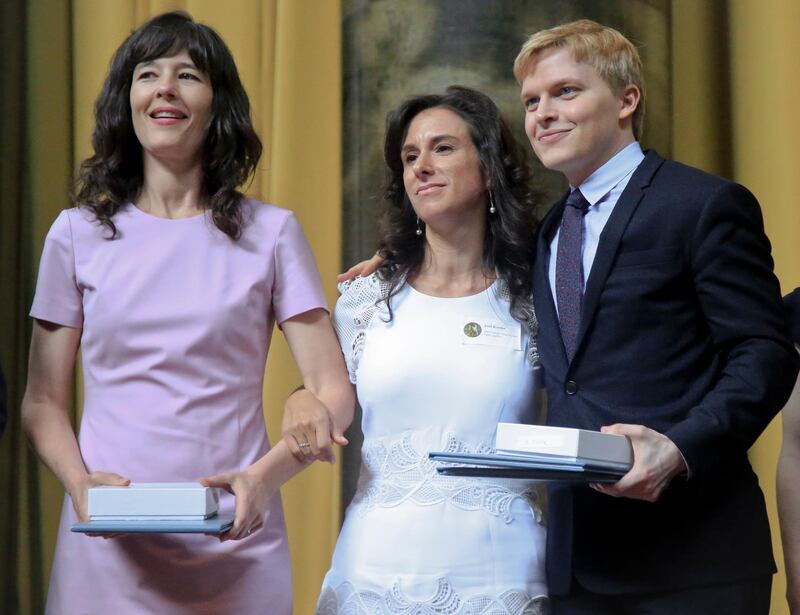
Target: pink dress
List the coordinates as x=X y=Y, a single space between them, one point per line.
x=177 y=321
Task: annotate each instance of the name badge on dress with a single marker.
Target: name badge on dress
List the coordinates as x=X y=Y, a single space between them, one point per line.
x=486 y=332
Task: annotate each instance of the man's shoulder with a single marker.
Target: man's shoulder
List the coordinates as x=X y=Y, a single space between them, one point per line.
x=675 y=183
x=677 y=174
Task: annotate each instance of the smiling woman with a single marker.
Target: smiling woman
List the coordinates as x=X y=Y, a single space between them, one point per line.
x=414 y=540
x=171 y=109
x=170 y=280
x=184 y=67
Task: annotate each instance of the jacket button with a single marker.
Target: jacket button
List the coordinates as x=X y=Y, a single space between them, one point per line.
x=571 y=387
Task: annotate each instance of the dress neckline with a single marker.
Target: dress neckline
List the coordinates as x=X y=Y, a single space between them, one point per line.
x=199 y=216
x=426 y=296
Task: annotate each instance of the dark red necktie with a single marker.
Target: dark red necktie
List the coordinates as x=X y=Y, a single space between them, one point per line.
x=569 y=270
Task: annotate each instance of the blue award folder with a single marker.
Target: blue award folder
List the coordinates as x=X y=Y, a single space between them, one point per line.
x=523 y=466
x=212 y=525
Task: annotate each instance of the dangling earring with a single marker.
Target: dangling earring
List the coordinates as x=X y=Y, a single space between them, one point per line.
x=492 y=208
x=419 y=230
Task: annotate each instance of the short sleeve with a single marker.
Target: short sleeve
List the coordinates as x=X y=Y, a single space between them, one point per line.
x=58 y=297
x=297 y=287
x=360 y=301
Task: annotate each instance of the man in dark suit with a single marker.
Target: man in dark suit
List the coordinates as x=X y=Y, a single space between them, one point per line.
x=660 y=319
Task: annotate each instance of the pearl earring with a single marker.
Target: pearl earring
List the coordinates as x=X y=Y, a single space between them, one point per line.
x=492 y=208
x=419 y=230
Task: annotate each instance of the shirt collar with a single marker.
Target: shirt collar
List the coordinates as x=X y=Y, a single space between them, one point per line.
x=603 y=180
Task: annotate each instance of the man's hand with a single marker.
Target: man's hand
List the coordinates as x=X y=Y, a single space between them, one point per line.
x=656 y=461
x=363 y=269
x=308 y=428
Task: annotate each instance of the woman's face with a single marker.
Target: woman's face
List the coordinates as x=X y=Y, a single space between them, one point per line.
x=441 y=170
x=171 y=108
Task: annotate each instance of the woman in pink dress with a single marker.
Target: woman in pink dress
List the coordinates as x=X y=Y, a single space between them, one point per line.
x=170 y=281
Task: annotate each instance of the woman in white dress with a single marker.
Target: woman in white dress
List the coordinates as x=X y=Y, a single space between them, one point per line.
x=440 y=344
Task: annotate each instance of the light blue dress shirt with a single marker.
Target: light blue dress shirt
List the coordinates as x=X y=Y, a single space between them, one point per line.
x=602 y=189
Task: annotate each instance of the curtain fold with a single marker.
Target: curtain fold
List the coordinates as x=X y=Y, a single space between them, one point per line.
x=13 y=277
x=765 y=126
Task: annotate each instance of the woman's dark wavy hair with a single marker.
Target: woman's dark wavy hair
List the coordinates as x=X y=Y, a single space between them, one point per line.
x=114 y=174
x=508 y=245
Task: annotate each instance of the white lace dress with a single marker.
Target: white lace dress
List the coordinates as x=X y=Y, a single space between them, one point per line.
x=439 y=376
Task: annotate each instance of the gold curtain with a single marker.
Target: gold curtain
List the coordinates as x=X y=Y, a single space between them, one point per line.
x=288 y=55
x=735 y=114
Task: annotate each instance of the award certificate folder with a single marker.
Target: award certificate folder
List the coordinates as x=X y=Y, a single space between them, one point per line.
x=212 y=525
x=528 y=467
x=565 y=444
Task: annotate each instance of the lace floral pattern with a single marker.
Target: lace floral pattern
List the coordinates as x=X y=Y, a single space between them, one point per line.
x=531 y=324
x=347 y=600
x=360 y=302
x=363 y=298
x=393 y=472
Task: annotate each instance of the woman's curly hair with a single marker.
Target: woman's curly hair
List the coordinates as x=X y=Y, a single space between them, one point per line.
x=114 y=175
x=508 y=245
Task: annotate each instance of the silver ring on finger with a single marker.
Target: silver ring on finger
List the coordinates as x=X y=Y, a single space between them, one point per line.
x=304 y=446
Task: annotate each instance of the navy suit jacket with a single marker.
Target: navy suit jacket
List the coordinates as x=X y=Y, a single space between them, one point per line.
x=683 y=331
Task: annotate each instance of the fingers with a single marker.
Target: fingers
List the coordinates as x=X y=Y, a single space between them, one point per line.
x=338 y=436
x=222 y=481
x=243 y=533
x=294 y=446
x=603 y=488
x=304 y=447
x=239 y=526
x=324 y=446
x=371 y=266
x=350 y=274
x=311 y=439
x=624 y=429
x=246 y=522
x=364 y=268
x=108 y=478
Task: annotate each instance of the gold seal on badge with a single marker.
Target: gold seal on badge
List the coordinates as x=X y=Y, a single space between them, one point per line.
x=472 y=329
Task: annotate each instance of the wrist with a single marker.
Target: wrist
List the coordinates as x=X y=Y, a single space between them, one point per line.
x=75 y=481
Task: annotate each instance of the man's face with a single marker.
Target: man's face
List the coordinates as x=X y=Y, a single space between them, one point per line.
x=574 y=121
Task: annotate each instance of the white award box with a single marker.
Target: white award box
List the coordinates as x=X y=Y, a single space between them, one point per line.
x=164 y=501
x=580 y=446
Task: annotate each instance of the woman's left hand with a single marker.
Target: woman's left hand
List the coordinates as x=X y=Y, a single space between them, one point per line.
x=309 y=429
x=252 y=497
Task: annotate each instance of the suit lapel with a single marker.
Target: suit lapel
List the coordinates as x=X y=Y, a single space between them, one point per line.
x=546 y=307
x=612 y=235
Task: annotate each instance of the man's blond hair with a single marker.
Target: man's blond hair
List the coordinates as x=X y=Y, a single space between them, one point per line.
x=612 y=55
